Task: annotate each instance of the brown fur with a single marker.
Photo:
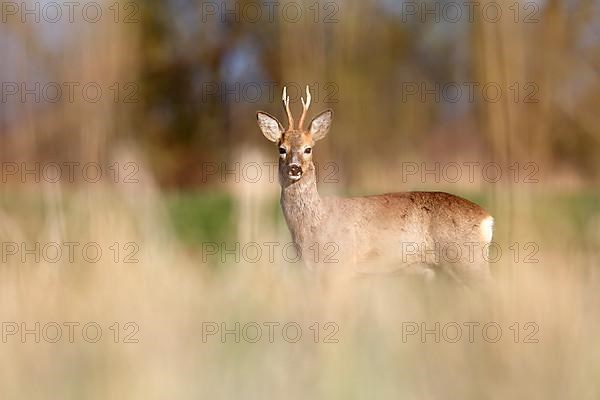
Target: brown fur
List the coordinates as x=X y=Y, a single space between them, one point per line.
x=409 y=232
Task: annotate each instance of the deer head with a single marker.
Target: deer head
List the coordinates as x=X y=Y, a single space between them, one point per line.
x=295 y=145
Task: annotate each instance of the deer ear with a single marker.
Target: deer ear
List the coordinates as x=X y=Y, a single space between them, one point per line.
x=319 y=126
x=270 y=127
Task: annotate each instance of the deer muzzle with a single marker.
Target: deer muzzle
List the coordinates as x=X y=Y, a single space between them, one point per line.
x=294 y=172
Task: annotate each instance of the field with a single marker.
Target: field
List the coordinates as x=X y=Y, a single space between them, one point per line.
x=213 y=329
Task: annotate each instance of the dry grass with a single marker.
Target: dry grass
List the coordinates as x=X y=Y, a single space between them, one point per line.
x=171 y=296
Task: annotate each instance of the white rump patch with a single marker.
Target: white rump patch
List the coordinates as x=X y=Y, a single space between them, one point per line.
x=487 y=229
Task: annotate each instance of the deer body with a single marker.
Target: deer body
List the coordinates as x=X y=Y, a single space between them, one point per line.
x=408 y=232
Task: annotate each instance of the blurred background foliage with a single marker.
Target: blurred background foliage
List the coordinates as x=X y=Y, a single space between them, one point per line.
x=192 y=74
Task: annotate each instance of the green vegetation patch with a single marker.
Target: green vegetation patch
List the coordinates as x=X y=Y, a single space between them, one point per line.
x=201 y=216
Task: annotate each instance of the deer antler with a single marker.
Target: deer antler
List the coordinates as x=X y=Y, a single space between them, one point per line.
x=286 y=105
x=304 y=108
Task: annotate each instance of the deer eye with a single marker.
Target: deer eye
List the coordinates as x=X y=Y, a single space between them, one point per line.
x=307 y=150
x=282 y=151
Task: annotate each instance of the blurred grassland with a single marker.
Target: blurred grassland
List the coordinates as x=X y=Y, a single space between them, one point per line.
x=170 y=293
x=198 y=217
x=208 y=216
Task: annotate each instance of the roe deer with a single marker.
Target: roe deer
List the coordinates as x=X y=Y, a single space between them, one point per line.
x=408 y=232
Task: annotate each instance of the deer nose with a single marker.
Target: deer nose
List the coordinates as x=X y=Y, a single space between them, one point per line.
x=295 y=170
